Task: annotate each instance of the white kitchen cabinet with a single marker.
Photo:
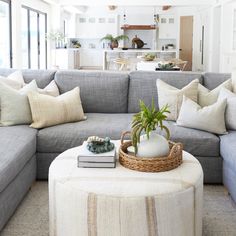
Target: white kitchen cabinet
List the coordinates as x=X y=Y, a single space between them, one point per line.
x=96 y=27
x=66 y=58
x=167 y=27
x=91 y=58
x=142 y=19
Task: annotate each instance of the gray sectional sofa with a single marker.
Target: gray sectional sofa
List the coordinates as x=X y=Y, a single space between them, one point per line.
x=109 y=100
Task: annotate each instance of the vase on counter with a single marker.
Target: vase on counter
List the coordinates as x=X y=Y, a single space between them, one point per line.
x=114 y=44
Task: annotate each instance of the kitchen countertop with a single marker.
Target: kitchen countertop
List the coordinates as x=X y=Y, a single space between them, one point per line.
x=139 y=50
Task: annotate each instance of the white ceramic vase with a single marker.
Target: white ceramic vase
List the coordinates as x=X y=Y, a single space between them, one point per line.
x=155 y=146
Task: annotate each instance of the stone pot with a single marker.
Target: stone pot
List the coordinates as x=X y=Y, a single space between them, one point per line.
x=155 y=146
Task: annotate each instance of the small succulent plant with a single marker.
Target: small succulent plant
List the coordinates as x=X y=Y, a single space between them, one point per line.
x=147 y=120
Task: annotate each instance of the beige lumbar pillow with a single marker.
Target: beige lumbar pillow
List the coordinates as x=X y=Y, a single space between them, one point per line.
x=15 y=109
x=48 y=111
x=51 y=89
x=14 y=80
x=210 y=118
x=207 y=97
x=172 y=96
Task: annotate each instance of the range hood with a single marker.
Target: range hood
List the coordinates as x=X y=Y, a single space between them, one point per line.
x=138 y=27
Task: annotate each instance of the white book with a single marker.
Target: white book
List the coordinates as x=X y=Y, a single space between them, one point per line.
x=96 y=164
x=85 y=155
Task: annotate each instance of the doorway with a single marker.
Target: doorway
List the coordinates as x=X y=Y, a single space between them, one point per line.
x=186 y=41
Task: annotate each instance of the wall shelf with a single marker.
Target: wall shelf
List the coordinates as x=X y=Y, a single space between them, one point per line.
x=138 y=27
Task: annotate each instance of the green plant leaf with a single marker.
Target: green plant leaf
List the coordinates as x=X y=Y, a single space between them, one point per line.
x=148 y=119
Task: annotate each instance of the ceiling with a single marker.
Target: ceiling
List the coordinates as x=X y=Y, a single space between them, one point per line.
x=133 y=2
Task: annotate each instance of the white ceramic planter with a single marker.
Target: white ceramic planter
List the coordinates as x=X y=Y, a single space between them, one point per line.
x=155 y=146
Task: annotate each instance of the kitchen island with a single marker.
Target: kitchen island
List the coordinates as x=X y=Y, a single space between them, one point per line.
x=133 y=56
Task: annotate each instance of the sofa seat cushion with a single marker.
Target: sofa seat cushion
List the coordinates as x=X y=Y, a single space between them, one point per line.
x=61 y=137
x=228 y=149
x=197 y=142
x=17 y=146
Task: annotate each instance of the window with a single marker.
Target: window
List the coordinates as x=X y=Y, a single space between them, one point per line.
x=33 y=32
x=234 y=30
x=5 y=39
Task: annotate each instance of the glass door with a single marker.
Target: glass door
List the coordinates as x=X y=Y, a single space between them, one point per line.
x=34 y=47
x=5 y=39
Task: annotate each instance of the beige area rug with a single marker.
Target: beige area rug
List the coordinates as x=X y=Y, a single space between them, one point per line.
x=31 y=218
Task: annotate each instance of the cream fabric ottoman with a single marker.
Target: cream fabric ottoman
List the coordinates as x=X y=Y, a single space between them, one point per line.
x=122 y=202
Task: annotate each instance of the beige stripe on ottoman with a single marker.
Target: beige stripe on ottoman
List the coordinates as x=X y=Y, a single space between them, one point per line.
x=151 y=216
x=92 y=214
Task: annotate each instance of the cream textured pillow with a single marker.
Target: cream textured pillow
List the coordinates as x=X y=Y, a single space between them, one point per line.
x=48 y=111
x=230 y=113
x=210 y=118
x=51 y=89
x=207 y=97
x=172 y=96
x=14 y=80
x=233 y=78
x=15 y=109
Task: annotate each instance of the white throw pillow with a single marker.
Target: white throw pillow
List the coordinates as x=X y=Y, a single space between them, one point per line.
x=172 y=96
x=48 y=111
x=210 y=118
x=233 y=78
x=14 y=80
x=230 y=113
x=207 y=97
x=51 y=89
x=15 y=109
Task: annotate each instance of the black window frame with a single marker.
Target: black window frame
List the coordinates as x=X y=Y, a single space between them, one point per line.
x=38 y=36
x=10 y=31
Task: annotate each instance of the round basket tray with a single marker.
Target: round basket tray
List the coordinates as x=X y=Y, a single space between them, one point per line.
x=155 y=164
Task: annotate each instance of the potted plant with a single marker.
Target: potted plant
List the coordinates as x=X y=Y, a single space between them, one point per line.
x=148 y=120
x=114 y=41
x=57 y=37
x=75 y=44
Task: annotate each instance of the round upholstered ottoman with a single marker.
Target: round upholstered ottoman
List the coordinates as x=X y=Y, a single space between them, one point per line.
x=122 y=202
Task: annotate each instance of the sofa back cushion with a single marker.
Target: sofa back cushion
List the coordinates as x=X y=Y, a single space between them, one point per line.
x=212 y=80
x=143 y=85
x=100 y=91
x=42 y=77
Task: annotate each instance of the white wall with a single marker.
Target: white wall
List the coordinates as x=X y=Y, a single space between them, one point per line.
x=222 y=37
x=227 y=62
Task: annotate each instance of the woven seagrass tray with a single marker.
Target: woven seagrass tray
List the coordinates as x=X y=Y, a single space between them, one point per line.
x=156 y=164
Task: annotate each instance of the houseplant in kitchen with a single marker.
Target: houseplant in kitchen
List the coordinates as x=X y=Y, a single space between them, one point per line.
x=114 y=41
x=148 y=120
x=57 y=37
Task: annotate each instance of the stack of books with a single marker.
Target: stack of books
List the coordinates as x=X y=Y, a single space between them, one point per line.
x=87 y=159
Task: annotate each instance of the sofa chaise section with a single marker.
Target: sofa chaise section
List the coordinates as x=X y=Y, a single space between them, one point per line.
x=205 y=146
x=17 y=167
x=228 y=152
x=104 y=97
